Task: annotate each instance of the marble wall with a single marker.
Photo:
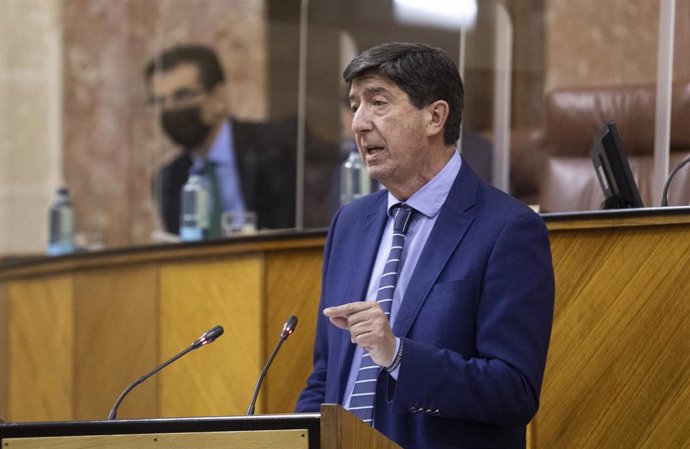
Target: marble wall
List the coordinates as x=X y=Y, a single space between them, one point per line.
x=594 y=43
x=30 y=121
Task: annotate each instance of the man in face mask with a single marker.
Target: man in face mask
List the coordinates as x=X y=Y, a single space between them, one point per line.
x=253 y=163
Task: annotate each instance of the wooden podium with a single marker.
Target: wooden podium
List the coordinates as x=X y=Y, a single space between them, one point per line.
x=333 y=428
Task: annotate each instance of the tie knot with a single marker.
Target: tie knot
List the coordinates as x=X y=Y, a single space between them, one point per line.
x=403 y=215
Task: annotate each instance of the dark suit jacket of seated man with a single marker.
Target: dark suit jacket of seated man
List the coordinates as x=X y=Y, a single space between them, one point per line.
x=461 y=361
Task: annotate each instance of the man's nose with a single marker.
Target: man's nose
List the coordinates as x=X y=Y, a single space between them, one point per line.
x=361 y=121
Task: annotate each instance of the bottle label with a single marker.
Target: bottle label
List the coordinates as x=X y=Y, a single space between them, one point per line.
x=196 y=210
x=192 y=234
x=60 y=249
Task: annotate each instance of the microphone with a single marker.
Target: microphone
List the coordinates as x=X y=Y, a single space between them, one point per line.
x=288 y=328
x=664 y=195
x=206 y=338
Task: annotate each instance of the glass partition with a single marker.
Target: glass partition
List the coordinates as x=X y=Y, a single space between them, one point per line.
x=676 y=188
x=541 y=76
x=472 y=33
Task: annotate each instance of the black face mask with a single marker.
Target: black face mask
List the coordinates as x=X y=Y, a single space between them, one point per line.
x=185 y=127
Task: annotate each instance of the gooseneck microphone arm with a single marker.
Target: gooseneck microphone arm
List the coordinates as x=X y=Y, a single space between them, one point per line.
x=288 y=328
x=206 y=338
x=664 y=195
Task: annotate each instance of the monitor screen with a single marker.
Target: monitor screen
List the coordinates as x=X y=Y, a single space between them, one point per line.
x=613 y=170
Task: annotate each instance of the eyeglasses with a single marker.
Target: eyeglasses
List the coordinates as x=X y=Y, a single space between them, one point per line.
x=180 y=98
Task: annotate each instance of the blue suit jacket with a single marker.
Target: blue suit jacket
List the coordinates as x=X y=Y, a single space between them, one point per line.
x=475 y=320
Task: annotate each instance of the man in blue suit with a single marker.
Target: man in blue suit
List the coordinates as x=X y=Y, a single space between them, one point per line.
x=460 y=362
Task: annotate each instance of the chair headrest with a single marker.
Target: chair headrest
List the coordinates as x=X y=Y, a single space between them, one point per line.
x=573 y=116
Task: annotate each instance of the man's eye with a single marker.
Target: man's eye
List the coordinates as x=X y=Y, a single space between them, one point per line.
x=378 y=103
x=354 y=107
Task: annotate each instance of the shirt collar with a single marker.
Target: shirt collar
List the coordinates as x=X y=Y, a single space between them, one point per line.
x=431 y=196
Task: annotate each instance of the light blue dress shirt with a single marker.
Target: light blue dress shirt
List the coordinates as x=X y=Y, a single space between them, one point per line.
x=427 y=201
x=222 y=154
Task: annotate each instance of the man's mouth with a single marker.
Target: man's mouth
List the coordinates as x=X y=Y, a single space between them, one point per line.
x=372 y=149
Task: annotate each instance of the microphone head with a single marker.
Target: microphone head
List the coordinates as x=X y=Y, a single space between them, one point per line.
x=209 y=336
x=289 y=327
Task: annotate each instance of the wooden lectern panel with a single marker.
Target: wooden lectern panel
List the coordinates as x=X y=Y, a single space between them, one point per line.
x=41 y=343
x=264 y=439
x=293 y=288
x=341 y=429
x=333 y=428
x=215 y=380
x=617 y=371
x=116 y=340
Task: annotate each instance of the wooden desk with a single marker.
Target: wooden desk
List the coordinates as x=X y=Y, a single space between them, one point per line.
x=75 y=331
x=618 y=371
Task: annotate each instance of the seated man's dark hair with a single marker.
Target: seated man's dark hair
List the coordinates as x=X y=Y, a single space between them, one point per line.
x=210 y=69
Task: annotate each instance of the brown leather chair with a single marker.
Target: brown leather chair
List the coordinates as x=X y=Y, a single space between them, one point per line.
x=573 y=116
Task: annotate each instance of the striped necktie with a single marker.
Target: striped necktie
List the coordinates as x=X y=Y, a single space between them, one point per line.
x=364 y=391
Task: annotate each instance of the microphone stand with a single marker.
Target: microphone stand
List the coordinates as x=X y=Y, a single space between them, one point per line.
x=206 y=338
x=288 y=328
x=113 y=411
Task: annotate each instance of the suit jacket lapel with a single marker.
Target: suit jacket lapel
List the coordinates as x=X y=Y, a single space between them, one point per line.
x=449 y=229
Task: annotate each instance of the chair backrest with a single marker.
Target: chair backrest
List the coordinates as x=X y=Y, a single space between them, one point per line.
x=574 y=115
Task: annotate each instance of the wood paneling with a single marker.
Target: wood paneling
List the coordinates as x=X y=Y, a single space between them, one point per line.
x=116 y=319
x=41 y=342
x=105 y=319
x=293 y=284
x=4 y=349
x=217 y=380
x=351 y=432
x=284 y=439
x=618 y=372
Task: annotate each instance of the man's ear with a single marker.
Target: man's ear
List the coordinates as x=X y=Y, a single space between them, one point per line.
x=437 y=115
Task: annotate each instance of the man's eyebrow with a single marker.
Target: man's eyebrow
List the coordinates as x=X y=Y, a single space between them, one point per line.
x=375 y=90
x=372 y=91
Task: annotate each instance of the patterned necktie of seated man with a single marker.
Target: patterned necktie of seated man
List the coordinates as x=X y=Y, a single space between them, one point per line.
x=362 y=399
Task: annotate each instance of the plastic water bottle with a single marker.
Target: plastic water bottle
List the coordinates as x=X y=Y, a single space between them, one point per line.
x=195 y=217
x=61 y=239
x=354 y=179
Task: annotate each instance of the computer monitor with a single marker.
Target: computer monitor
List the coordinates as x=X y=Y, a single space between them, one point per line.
x=613 y=170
